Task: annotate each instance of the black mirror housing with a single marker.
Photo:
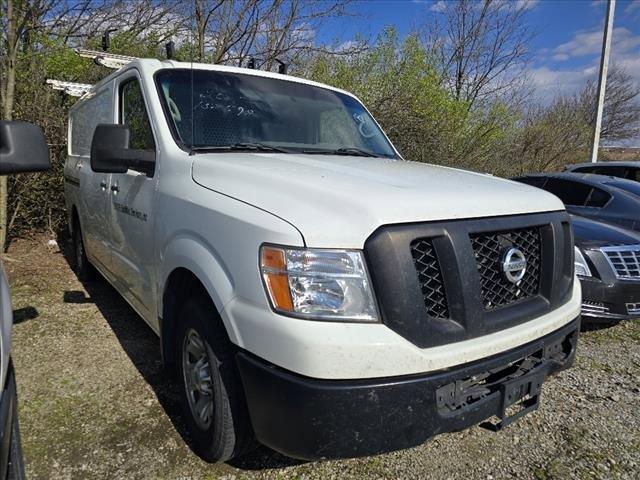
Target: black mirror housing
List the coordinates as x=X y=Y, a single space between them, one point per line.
x=23 y=148
x=107 y=144
x=110 y=152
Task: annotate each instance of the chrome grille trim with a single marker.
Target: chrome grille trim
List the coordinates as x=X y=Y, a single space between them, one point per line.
x=594 y=308
x=624 y=260
x=633 y=308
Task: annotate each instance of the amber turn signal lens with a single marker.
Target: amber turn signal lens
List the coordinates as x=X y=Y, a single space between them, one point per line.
x=273 y=265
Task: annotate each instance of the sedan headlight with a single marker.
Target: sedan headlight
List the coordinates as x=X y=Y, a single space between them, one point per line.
x=318 y=284
x=582 y=268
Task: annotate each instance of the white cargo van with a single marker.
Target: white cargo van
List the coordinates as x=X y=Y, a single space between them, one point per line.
x=316 y=291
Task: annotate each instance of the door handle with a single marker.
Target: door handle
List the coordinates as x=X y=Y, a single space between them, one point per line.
x=115 y=188
x=103 y=185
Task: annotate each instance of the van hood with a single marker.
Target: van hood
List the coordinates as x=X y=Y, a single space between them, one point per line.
x=338 y=201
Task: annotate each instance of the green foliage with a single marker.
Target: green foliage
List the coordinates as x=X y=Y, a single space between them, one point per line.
x=400 y=84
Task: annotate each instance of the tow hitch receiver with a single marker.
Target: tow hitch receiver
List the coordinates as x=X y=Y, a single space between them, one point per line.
x=521 y=394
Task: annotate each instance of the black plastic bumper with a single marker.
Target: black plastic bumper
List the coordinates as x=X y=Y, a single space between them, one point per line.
x=312 y=419
x=613 y=297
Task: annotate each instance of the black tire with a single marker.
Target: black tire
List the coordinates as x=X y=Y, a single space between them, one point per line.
x=83 y=268
x=15 y=469
x=228 y=433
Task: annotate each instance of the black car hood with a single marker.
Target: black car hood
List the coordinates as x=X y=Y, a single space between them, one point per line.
x=592 y=234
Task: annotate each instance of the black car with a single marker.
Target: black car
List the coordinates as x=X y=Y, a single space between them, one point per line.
x=608 y=265
x=599 y=197
x=629 y=170
x=23 y=148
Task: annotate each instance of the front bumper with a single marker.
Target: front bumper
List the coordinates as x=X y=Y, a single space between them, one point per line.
x=602 y=301
x=312 y=419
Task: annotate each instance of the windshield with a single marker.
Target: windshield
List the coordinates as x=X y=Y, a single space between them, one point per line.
x=630 y=187
x=245 y=110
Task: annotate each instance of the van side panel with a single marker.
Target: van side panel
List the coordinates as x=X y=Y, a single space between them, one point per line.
x=83 y=187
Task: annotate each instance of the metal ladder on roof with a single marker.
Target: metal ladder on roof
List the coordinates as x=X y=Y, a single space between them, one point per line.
x=105 y=59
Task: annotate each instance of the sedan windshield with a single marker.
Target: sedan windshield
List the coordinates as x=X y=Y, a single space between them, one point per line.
x=247 y=112
x=629 y=187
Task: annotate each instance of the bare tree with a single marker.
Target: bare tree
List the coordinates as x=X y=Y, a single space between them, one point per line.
x=621 y=117
x=72 y=22
x=232 y=31
x=15 y=17
x=482 y=48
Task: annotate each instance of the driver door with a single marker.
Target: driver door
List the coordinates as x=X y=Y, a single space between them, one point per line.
x=131 y=199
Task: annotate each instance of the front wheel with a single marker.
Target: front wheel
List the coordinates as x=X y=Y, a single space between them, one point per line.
x=212 y=396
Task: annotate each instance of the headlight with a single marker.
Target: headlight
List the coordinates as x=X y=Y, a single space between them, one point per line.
x=582 y=268
x=318 y=284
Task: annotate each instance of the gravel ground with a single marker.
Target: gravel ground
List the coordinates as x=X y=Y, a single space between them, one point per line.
x=95 y=402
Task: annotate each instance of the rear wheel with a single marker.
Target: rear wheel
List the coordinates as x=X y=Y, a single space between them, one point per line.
x=84 y=269
x=212 y=396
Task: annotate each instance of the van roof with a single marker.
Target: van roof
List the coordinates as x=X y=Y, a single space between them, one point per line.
x=149 y=66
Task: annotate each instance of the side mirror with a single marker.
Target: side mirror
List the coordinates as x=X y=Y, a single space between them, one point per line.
x=110 y=152
x=23 y=148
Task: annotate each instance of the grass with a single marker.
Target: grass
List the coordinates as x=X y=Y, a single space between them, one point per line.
x=94 y=401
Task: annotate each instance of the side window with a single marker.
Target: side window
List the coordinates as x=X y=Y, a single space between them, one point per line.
x=585 y=170
x=612 y=171
x=634 y=174
x=571 y=193
x=84 y=118
x=598 y=198
x=133 y=114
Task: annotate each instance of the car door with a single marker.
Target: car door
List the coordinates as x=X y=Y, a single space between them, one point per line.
x=132 y=195
x=92 y=198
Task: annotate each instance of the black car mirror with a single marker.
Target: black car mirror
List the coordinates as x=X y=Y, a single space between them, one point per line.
x=23 y=148
x=110 y=152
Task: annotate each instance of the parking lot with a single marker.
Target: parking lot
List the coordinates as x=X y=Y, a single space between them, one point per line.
x=95 y=402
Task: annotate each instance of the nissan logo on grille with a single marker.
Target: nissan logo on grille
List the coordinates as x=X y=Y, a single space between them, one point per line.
x=514 y=265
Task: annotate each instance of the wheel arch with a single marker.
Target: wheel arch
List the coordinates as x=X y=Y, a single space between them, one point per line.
x=190 y=267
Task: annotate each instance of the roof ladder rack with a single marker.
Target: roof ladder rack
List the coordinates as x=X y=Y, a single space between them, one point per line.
x=70 y=88
x=105 y=59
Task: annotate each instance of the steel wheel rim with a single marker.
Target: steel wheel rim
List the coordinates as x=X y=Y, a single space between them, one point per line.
x=197 y=376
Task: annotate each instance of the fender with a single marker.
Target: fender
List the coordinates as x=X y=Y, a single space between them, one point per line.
x=191 y=252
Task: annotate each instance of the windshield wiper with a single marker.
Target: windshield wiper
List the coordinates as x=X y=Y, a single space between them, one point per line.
x=358 y=152
x=240 y=146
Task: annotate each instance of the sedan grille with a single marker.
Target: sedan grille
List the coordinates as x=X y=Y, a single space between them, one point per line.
x=633 y=308
x=489 y=248
x=624 y=260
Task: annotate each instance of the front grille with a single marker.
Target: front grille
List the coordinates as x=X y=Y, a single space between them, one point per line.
x=633 y=308
x=430 y=278
x=489 y=249
x=439 y=283
x=624 y=260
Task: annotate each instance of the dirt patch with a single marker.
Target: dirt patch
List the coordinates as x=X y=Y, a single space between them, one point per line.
x=95 y=402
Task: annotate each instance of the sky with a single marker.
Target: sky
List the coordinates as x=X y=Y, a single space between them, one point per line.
x=565 y=50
